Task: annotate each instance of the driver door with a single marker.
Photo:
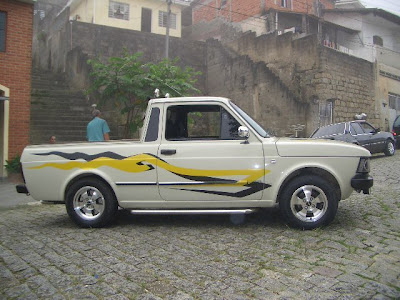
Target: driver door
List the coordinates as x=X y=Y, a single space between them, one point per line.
x=203 y=159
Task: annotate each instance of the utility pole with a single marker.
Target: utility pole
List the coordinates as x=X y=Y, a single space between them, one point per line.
x=167 y=33
x=319 y=14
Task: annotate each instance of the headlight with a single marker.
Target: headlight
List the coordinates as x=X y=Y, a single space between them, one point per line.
x=363 y=165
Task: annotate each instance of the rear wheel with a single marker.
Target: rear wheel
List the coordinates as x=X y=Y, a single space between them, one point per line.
x=91 y=203
x=308 y=202
x=389 y=148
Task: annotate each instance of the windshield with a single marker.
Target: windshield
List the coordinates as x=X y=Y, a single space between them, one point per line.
x=330 y=130
x=257 y=127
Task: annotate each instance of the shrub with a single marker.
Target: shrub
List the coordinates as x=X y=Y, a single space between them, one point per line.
x=13 y=165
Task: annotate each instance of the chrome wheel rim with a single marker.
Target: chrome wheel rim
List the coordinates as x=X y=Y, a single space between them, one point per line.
x=88 y=203
x=309 y=203
x=390 y=148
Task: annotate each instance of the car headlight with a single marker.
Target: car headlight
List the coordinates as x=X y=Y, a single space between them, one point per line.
x=364 y=165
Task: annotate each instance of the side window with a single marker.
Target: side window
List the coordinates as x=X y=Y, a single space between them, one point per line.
x=229 y=126
x=356 y=129
x=200 y=122
x=367 y=128
x=397 y=122
x=152 y=129
x=3 y=16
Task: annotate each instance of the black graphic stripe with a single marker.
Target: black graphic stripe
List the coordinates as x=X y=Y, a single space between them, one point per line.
x=84 y=156
x=252 y=189
x=206 y=179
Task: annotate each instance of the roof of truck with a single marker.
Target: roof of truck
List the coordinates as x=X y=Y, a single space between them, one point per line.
x=190 y=99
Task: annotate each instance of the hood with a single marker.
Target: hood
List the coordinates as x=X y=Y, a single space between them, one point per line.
x=318 y=148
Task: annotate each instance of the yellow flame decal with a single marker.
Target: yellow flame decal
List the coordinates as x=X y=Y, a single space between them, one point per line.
x=131 y=165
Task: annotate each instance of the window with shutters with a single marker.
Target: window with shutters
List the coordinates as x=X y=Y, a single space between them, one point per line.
x=3 y=23
x=118 y=10
x=163 y=17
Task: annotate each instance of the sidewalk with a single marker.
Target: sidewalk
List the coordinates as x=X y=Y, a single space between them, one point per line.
x=9 y=196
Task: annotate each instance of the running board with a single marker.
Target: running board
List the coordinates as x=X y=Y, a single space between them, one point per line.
x=191 y=211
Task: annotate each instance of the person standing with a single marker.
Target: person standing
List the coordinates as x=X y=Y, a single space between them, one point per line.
x=97 y=130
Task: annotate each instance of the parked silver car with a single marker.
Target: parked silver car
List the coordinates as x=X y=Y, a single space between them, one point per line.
x=358 y=132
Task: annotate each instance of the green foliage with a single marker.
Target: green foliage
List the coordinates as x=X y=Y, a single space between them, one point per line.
x=13 y=165
x=128 y=84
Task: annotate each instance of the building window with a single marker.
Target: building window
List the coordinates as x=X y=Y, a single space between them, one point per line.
x=326 y=112
x=118 y=10
x=394 y=101
x=3 y=23
x=284 y=3
x=223 y=3
x=377 y=40
x=162 y=20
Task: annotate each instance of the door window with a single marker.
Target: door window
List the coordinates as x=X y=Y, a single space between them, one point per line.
x=194 y=122
x=367 y=128
x=355 y=129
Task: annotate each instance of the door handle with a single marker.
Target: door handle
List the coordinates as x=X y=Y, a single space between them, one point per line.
x=168 y=151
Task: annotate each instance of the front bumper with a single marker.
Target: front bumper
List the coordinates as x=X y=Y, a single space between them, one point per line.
x=362 y=182
x=22 y=189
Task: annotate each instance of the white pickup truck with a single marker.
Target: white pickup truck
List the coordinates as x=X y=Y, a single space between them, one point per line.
x=197 y=155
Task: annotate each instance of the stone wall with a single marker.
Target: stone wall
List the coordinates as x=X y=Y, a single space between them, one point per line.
x=350 y=82
x=315 y=74
x=254 y=87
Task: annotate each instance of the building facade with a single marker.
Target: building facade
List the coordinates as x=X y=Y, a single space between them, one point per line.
x=140 y=15
x=252 y=14
x=16 y=23
x=371 y=34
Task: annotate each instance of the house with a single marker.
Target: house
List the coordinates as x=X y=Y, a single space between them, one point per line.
x=16 y=21
x=252 y=14
x=371 y=34
x=141 y=15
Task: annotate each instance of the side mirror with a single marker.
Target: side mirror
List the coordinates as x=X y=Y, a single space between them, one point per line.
x=377 y=130
x=243 y=132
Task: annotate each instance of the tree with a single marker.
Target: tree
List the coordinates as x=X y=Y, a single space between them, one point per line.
x=129 y=83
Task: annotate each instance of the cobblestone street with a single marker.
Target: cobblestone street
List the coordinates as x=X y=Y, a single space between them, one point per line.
x=43 y=255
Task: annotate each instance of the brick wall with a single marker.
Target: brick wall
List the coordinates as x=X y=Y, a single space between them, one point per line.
x=15 y=70
x=239 y=10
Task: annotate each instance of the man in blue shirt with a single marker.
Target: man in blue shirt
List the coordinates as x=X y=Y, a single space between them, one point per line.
x=97 y=129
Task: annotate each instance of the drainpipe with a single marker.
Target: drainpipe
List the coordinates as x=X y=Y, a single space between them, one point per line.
x=276 y=21
x=167 y=33
x=94 y=11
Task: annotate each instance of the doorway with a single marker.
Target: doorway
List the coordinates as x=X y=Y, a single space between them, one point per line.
x=146 y=19
x=4 y=119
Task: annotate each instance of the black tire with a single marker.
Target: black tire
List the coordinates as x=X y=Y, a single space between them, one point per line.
x=317 y=209
x=390 y=148
x=91 y=203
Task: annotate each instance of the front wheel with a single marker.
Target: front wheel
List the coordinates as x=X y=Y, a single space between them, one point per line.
x=389 y=148
x=91 y=203
x=308 y=202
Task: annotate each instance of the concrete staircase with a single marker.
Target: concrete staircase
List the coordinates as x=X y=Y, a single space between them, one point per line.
x=56 y=109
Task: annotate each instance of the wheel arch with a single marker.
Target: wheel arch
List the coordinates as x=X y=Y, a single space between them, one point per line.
x=310 y=171
x=87 y=175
